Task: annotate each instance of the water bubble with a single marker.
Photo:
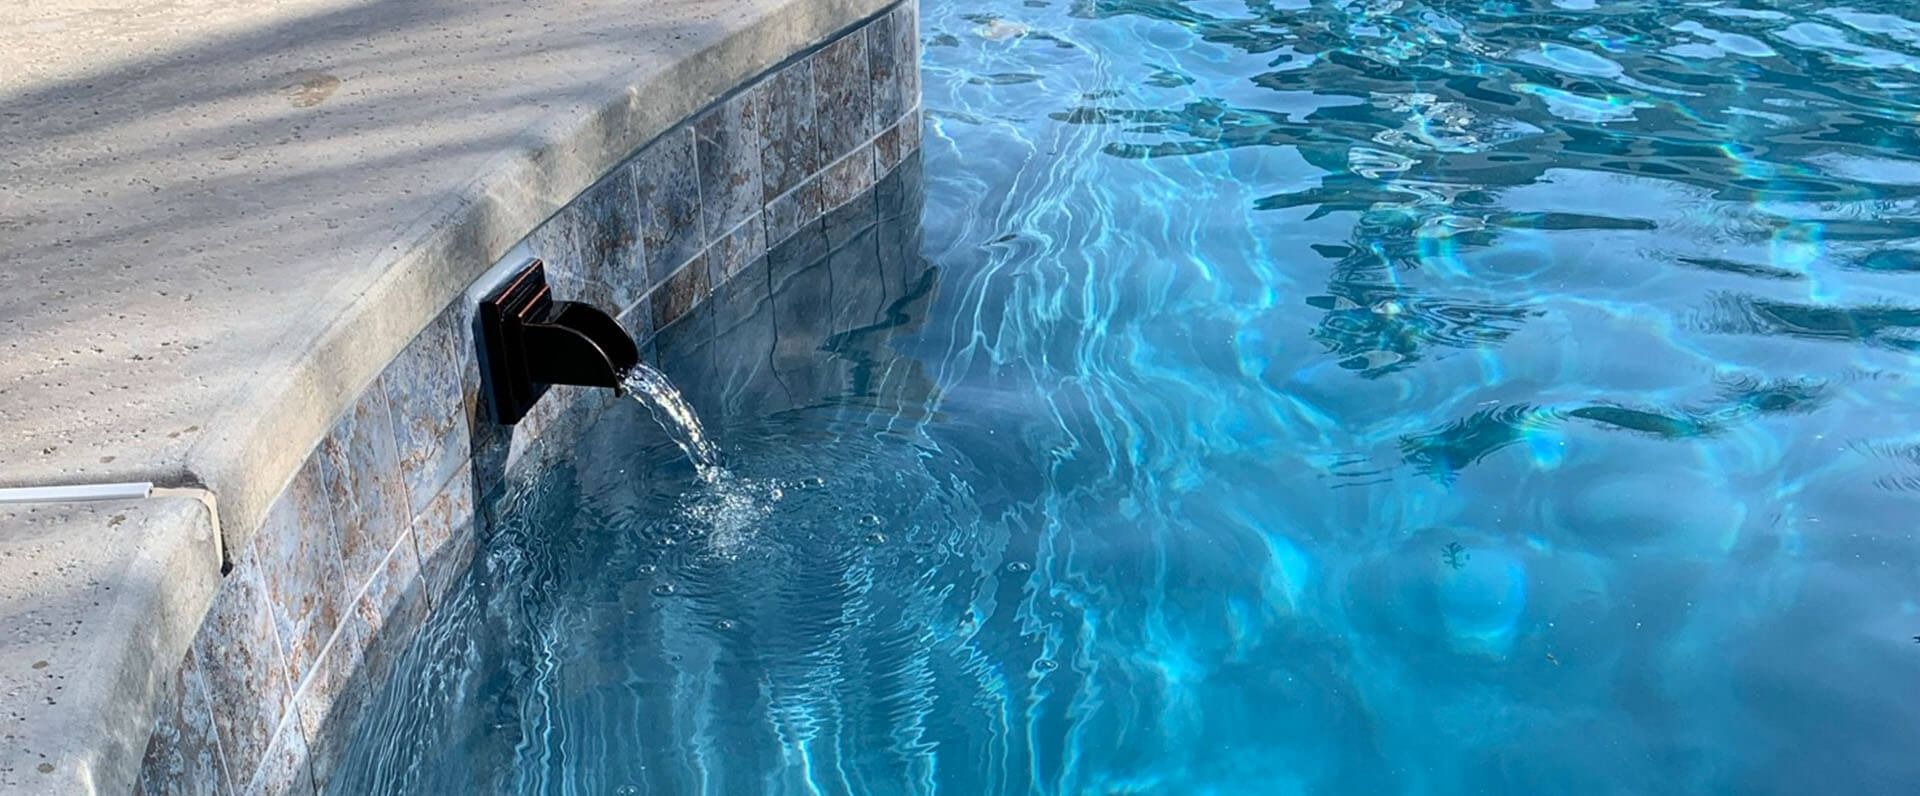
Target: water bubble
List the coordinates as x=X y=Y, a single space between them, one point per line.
x=665 y=590
x=724 y=625
x=776 y=493
x=814 y=482
x=870 y=520
x=627 y=790
x=648 y=569
x=1045 y=665
x=668 y=541
x=876 y=538
x=1019 y=567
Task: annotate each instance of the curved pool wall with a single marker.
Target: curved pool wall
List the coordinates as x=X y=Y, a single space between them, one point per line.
x=362 y=542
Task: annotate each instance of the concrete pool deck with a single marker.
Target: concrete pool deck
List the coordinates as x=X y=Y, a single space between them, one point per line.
x=221 y=221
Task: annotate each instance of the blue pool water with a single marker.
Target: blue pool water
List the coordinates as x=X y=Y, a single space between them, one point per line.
x=1264 y=397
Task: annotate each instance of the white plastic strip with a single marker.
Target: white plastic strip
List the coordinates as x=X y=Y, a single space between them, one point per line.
x=133 y=490
x=77 y=493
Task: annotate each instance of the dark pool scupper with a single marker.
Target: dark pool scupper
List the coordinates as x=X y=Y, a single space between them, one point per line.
x=1271 y=397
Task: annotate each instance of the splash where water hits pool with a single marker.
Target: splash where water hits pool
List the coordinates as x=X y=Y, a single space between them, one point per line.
x=1264 y=398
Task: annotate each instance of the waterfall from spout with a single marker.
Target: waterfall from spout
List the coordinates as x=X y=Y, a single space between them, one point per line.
x=671 y=410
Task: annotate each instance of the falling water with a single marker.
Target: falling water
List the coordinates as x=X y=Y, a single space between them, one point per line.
x=671 y=410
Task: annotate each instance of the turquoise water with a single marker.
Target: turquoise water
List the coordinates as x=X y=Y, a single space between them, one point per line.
x=1265 y=398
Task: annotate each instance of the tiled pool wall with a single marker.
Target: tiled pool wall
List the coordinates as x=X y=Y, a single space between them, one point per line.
x=369 y=533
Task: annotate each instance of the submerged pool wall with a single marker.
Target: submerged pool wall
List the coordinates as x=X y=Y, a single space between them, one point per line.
x=367 y=534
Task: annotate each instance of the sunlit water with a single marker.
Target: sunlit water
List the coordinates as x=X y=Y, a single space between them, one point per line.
x=1290 y=398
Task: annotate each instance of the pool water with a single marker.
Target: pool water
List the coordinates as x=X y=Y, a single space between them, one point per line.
x=1247 y=397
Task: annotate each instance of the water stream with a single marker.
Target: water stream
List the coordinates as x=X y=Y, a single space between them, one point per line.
x=670 y=409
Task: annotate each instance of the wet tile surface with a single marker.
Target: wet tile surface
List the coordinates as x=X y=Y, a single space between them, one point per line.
x=685 y=288
x=736 y=250
x=445 y=526
x=668 y=181
x=789 y=146
x=842 y=86
x=183 y=755
x=893 y=62
x=298 y=550
x=246 y=681
x=786 y=214
x=360 y=467
x=847 y=180
x=897 y=142
x=729 y=155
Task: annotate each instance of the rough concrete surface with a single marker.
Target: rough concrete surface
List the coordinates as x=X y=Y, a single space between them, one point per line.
x=98 y=602
x=219 y=220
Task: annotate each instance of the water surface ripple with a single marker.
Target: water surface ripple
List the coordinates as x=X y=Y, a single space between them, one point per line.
x=1270 y=397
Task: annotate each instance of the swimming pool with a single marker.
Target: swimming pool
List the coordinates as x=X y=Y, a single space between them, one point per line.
x=1264 y=398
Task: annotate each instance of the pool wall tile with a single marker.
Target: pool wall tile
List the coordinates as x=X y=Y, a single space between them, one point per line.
x=240 y=664
x=594 y=247
x=183 y=755
x=728 y=139
x=843 y=94
x=667 y=177
x=789 y=146
x=372 y=533
x=284 y=771
x=685 y=288
x=298 y=550
x=898 y=141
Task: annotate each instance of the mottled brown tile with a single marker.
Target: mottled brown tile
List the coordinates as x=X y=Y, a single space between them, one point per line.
x=447 y=519
x=593 y=247
x=360 y=466
x=846 y=180
x=842 y=87
x=284 y=770
x=424 y=387
x=298 y=550
x=736 y=250
x=789 y=144
x=729 y=155
x=183 y=755
x=788 y=213
x=893 y=50
x=667 y=177
x=246 y=680
x=896 y=143
x=686 y=288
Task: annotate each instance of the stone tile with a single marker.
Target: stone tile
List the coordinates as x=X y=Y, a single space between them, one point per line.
x=361 y=469
x=728 y=141
x=298 y=550
x=847 y=179
x=893 y=51
x=343 y=685
x=425 y=396
x=284 y=771
x=183 y=755
x=845 y=222
x=788 y=213
x=859 y=283
x=897 y=142
x=680 y=293
x=667 y=177
x=439 y=530
x=743 y=347
x=686 y=357
x=789 y=144
x=843 y=92
x=594 y=247
x=246 y=680
x=737 y=250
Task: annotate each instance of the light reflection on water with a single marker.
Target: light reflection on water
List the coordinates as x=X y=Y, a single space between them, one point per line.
x=1293 y=397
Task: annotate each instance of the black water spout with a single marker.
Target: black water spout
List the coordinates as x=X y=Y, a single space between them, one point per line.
x=529 y=342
